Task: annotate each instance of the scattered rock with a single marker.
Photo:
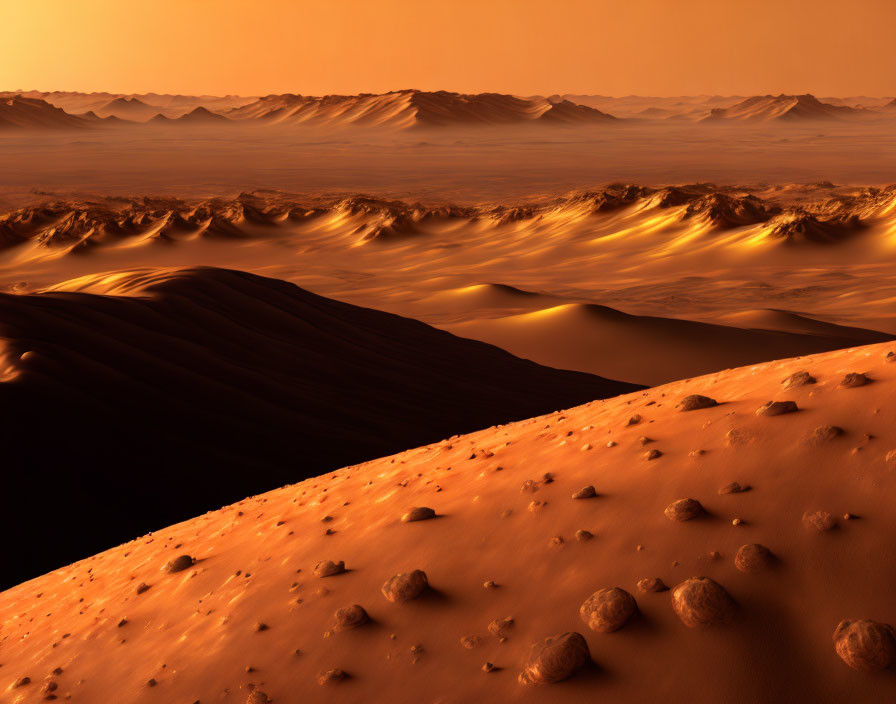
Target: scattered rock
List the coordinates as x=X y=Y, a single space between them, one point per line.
x=776 y=408
x=737 y=522
x=488 y=667
x=695 y=402
x=405 y=586
x=179 y=564
x=634 y=420
x=824 y=433
x=331 y=676
x=142 y=587
x=547 y=478
x=644 y=440
x=652 y=584
x=854 y=379
x=555 y=659
x=684 y=510
x=820 y=520
x=586 y=492
x=753 y=558
x=328 y=568
x=418 y=513
x=652 y=454
x=350 y=617
x=584 y=535
x=501 y=627
x=21 y=682
x=529 y=487
x=702 y=602
x=866 y=645
x=490 y=585
x=470 y=642
x=611 y=443
x=798 y=379
x=260 y=626
x=258 y=697
x=608 y=610
x=732 y=488
x=535 y=506
x=890 y=356
x=737 y=436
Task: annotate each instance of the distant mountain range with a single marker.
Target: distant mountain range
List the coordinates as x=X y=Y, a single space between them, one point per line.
x=785 y=107
x=406 y=109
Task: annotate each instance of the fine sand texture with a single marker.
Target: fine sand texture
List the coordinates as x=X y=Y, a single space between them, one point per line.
x=725 y=538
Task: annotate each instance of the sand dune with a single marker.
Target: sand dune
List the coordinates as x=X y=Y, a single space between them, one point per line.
x=18 y=112
x=413 y=108
x=631 y=210
x=652 y=350
x=196 y=116
x=783 y=107
x=127 y=109
x=192 y=387
x=171 y=105
x=790 y=519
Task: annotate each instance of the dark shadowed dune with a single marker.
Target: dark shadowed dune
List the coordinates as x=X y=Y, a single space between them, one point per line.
x=137 y=399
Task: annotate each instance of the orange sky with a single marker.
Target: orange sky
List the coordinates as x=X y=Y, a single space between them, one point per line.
x=611 y=47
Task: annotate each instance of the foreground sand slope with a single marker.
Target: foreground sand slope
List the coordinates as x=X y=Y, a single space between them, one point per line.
x=251 y=614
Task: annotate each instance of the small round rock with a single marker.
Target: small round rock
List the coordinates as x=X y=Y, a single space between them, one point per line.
x=695 y=402
x=555 y=659
x=684 y=510
x=405 y=586
x=854 y=379
x=257 y=697
x=350 y=617
x=732 y=488
x=820 y=520
x=753 y=558
x=867 y=646
x=179 y=564
x=586 y=492
x=701 y=602
x=418 y=513
x=776 y=408
x=798 y=379
x=328 y=568
x=825 y=433
x=652 y=584
x=608 y=610
x=331 y=676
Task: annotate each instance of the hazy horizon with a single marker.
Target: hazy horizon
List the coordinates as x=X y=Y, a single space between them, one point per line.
x=523 y=47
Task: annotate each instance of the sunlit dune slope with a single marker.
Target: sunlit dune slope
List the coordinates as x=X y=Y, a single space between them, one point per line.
x=17 y=112
x=127 y=109
x=784 y=107
x=788 y=513
x=414 y=108
x=188 y=388
x=654 y=350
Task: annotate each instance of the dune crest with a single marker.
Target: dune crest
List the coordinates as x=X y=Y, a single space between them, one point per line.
x=784 y=107
x=414 y=108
